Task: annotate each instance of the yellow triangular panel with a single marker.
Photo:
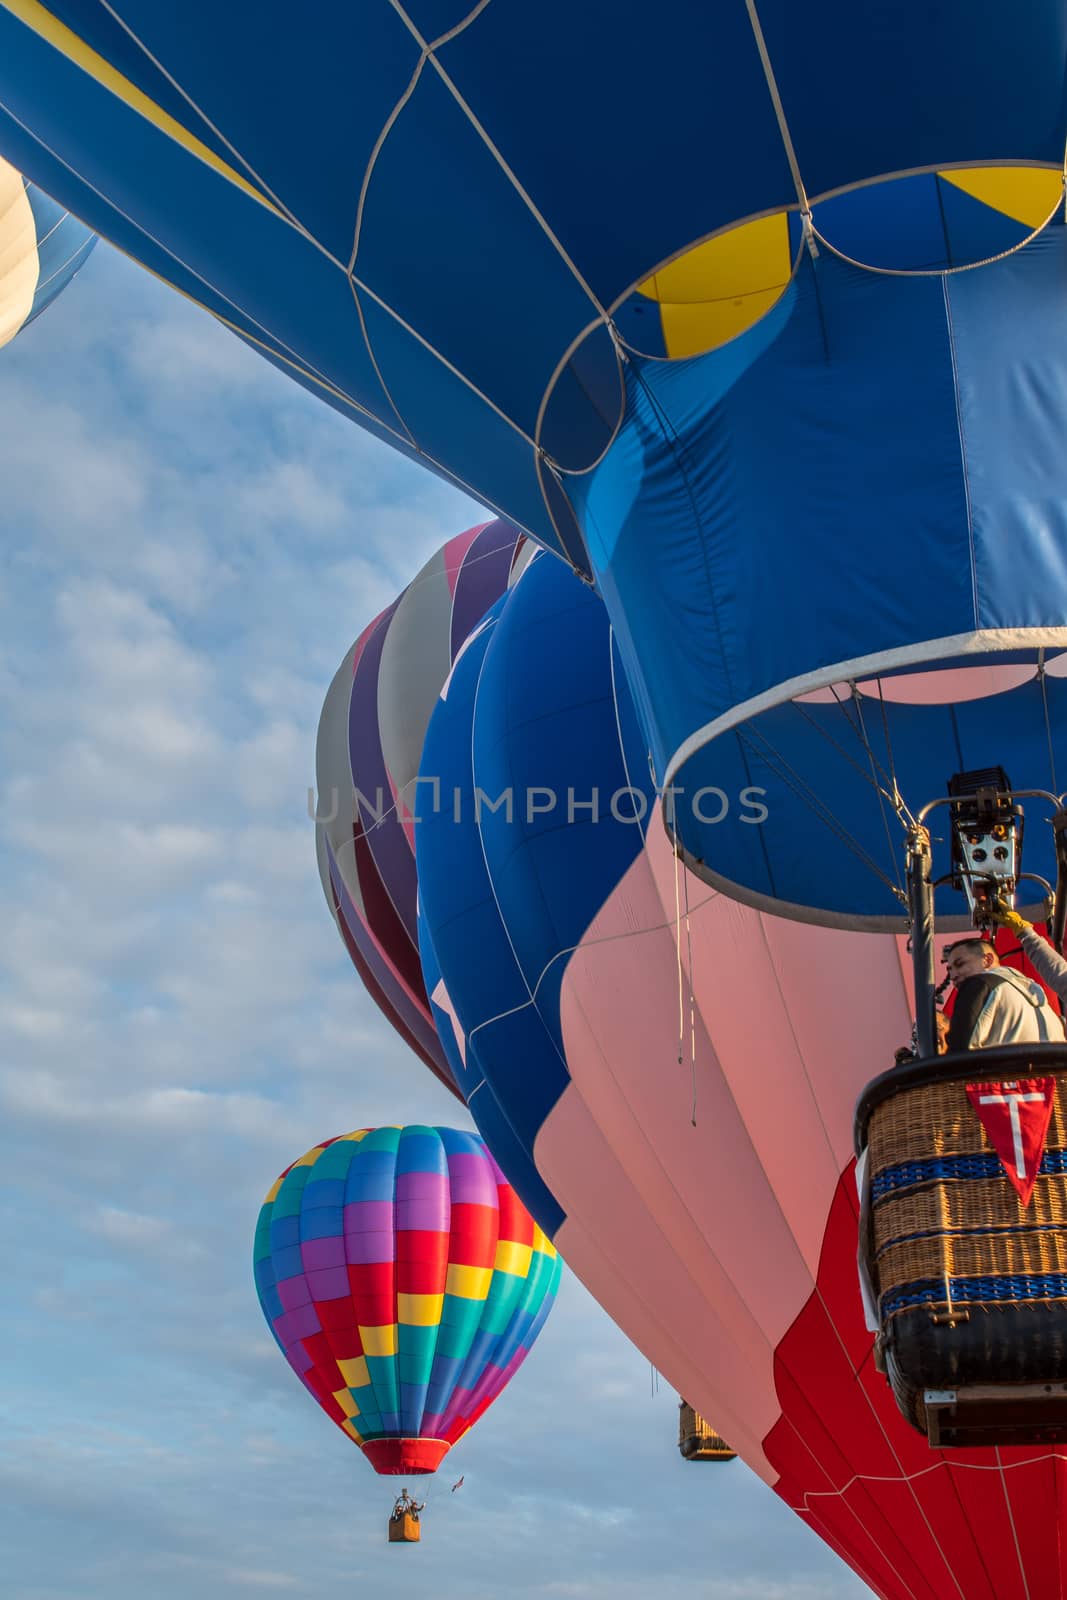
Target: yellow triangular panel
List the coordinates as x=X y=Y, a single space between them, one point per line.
x=721 y=287
x=1026 y=194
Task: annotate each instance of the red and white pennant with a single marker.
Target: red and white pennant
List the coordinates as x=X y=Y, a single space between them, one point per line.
x=1015 y=1116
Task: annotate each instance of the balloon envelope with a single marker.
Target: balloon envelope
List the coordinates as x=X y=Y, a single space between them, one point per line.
x=321 y=222
x=41 y=249
x=369 y=745
x=405 y=1283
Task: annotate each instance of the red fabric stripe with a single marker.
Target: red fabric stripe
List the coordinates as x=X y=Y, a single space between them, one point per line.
x=398 y=1457
x=421 y=1262
x=370 y=1277
x=345 y=1343
x=318 y=1348
x=336 y=1315
x=474 y=1235
x=515 y=1221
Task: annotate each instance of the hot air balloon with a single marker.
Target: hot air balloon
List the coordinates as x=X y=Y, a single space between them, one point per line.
x=41 y=248
x=322 y=224
x=574 y=972
x=369 y=744
x=698 y=1440
x=405 y=1284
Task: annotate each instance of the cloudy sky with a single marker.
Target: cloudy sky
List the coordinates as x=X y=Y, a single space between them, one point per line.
x=189 y=546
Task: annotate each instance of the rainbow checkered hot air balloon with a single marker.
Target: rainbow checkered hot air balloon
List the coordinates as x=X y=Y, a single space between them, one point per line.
x=405 y=1282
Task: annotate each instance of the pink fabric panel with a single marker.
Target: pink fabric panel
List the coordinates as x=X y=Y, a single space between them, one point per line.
x=727 y=1219
x=361 y=643
x=627 y=1262
x=953 y=685
x=455 y=551
x=620 y=1028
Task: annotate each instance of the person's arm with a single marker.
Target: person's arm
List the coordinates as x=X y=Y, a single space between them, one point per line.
x=971 y=996
x=1047 y=963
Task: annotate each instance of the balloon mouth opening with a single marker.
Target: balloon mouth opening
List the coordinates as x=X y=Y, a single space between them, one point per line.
x=395 y=1458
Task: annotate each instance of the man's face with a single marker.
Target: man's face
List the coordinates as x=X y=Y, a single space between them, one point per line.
x=964 y=962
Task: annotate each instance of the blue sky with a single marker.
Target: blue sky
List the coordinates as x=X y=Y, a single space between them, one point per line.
x=190 y=544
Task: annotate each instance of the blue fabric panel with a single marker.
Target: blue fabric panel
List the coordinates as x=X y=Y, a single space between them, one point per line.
x=433 y=18
x=451 y=424
x=1009 y=326
x=454 y=891
x=898 y=225
x=275 y=60
x=977 y=232
x=412 y=1404
x=288 y=1263
x=520 y=1057
x=513 y=1155
x=371 y=1176
x=479 y=1354
x=271 y=1302
x=555 y=730
x=601 y=120
x=420 y=1150
x=460 y=917
x=325 y=1223
x=284 y=1231
x=910 y=88
x=103 y=32
x=457 y=1142
x=451 y=246
x=502 y=910
x=745 y=487
x=443 y=1376
x=323 y=1192
x=585 y=405
x=916 y=224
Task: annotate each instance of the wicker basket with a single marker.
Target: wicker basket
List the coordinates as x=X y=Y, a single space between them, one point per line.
x=970 y=1285
x=697 y=1439
x=404 y=1529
